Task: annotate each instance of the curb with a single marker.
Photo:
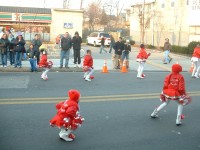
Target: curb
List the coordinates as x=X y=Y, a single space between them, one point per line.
x=27 y=69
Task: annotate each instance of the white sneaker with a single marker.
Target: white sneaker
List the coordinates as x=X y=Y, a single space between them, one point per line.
x=178 y=121
x=87 y=79
x=154 y=114
x=196 y=76
x=5 y=66
x=66 y=135
x=140 y=77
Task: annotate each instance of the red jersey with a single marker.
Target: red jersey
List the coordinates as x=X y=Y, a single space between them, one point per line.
x=88 y=61
x=196 y=52
x=142 y=55
x=43 y=61
x=65 y=110
x=174 y=85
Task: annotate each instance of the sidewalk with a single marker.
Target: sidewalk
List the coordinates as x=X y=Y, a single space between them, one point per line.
x=154 y=63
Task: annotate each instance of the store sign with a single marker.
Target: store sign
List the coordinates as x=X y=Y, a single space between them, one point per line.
x=194 y=12
x=68 y=25
x=16 y=16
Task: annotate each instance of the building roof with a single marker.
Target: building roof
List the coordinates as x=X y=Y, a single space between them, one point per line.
x=25 y=10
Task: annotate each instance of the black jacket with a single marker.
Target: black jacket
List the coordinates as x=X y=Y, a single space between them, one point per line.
x=77 y=42
x=102 y=41
x=66 y=43
x=118 y=47
x=36 y=44
x=19 y=45
x=31 y=53
x=4 y=43
x=127 y=48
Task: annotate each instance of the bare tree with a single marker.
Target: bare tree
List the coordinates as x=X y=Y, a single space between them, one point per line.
x=144 y=15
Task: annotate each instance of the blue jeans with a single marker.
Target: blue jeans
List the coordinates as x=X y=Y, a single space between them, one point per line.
x=12 y=57
x=111 y=47
x=4 y=59
x=102 y=49
x=166 y=56
x=18 y=59
x=33 y=62
x=64 y=55
x=125 y=55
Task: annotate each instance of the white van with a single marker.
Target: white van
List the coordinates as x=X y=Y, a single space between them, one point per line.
x=95 y=38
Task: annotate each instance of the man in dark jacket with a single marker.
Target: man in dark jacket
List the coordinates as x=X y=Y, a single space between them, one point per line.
x=77 y=40
x=119 y=47
x=66 y=44
x=36 y=45
x=4 y=43
x=19 y=47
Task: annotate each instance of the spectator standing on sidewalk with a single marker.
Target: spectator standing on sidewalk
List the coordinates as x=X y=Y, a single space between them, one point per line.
x=11 y=48
x=37 y=42
x=125 y=52
x=102 y=45
x=32 y=55
x=119 y=47
x=167 y=49
x=18 y=48
x=112 y=43
x=196 y=60
x=76 y=41
x=4 y=43
x=66 y=44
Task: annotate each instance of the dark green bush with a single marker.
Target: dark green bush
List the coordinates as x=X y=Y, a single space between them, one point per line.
x=180 y=49
x=191 y=46
x=150 y=46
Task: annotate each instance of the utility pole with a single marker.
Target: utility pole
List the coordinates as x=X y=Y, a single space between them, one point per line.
x=143 y=25
x=81 y=4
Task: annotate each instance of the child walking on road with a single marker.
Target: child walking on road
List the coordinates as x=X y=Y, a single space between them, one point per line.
x=141 y=59
x=196 y=61
x=68 y=118
x=44 y=64
x=88 y=66
x=174 y=90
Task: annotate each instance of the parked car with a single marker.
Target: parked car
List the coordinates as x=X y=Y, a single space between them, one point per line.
x=95 y=38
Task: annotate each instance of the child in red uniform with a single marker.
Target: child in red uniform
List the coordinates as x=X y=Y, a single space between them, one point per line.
x=196 y=60
x=44 y=64
x=88 y=66
x=68 y=118
x=141 y=59
x=174 y=89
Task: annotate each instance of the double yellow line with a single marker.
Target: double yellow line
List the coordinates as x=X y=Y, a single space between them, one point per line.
x=85 y=99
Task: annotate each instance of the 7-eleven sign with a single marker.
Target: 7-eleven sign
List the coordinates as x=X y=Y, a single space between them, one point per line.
x=16 y=16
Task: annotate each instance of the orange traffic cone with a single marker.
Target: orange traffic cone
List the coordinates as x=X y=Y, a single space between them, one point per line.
x=105 y=69
x=124 y=68
x=191 y=68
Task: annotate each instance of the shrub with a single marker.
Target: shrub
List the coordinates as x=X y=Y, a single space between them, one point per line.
x=191 y=46
x=150 y=46
x=180 y=49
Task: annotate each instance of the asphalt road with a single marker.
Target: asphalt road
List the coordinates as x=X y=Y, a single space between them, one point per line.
x=116 y=108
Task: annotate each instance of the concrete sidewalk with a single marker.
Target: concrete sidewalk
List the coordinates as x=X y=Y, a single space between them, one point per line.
x=154 y=63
